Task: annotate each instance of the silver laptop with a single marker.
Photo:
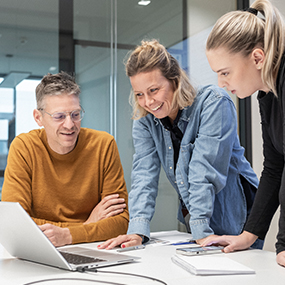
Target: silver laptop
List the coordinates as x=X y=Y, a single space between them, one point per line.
x=22 y=238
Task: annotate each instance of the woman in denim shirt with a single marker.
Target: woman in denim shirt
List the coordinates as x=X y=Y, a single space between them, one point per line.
x=193 y=135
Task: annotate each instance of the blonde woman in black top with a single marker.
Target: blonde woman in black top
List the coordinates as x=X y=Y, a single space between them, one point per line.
x=246 y=50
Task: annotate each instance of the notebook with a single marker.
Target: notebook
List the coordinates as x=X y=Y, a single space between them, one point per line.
x=216 y=264
x=23 y=239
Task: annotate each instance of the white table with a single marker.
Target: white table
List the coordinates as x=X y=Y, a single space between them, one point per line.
x=155 y=262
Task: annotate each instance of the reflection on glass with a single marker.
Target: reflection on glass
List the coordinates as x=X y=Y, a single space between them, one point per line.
x=4 y=131
x=6 y=100
x=25 y=104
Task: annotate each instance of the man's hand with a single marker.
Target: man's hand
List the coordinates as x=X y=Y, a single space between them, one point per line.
x=109 y=206
x=123 y=240
x=58 y=236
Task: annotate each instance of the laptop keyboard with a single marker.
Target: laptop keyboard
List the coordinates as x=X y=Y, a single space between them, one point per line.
x=79 y=259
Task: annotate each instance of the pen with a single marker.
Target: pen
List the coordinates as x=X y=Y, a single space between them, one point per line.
x=131 y=248
x=187 y=242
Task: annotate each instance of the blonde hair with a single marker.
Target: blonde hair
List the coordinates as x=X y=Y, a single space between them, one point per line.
x=149 y=56
x=242 y=31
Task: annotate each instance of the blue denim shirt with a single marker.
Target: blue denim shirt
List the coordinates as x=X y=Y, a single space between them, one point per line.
x=208 y=170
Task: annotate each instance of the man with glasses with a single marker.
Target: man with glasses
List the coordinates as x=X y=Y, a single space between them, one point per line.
x=69 y=179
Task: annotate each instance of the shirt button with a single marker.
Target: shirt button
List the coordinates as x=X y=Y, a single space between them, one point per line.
x=181 y=182
x=170 y=167
x=169 y=147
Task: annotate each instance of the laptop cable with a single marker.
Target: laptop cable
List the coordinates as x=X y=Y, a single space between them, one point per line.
x=94 y=270
x=72 y=279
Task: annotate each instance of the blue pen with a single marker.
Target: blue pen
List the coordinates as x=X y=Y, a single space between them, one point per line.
x=187 y=242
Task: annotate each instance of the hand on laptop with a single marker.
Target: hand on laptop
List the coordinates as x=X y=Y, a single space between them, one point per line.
x=123 y=240
x=58 y=236
x=109 y=206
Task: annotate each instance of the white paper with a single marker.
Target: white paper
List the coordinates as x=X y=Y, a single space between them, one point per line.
x=169 y=237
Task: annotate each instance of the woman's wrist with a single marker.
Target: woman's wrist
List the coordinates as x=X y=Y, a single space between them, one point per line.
x=142 y=237
x=248 y=237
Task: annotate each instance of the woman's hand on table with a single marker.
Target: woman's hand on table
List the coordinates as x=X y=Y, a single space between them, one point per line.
x=281 y=258
x=231 y=243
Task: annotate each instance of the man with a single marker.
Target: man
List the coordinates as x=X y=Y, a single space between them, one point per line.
x=69 y=179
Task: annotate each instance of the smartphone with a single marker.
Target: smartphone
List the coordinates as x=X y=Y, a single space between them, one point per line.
x=199 y=250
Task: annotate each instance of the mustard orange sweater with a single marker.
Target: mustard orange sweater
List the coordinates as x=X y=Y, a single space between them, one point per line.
x=64 y=189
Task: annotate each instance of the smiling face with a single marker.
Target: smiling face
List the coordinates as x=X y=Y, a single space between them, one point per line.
x=239 y=74
x=154 y=93
x=61 y=137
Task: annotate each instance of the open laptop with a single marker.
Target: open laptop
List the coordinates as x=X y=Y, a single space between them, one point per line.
x=22 y=238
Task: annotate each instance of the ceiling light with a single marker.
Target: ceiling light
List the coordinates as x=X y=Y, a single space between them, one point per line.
x=144 y=2
x=14 y=78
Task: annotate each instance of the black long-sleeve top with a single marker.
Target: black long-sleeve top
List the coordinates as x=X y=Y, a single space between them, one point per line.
x=271 y=190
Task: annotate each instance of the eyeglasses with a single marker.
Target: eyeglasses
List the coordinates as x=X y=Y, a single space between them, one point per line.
x=76 y=115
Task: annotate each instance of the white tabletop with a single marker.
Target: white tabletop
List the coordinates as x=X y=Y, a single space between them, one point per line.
x=155 y=262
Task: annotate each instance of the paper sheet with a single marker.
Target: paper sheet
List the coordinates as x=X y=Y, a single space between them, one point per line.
x=169 y=237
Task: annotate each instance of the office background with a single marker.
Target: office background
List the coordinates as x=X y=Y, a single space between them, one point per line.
x=91 y=38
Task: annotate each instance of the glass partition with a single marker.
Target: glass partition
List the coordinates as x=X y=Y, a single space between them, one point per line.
x=104 y=31
x=28 y=50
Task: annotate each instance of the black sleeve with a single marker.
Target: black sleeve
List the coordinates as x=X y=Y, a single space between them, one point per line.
x=267 y=197
x=280 y=245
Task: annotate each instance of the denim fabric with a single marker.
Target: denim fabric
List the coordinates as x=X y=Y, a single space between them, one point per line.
x=209 y=166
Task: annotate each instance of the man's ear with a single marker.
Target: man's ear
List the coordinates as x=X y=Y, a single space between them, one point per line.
x=258 y=56
x=38 y=117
